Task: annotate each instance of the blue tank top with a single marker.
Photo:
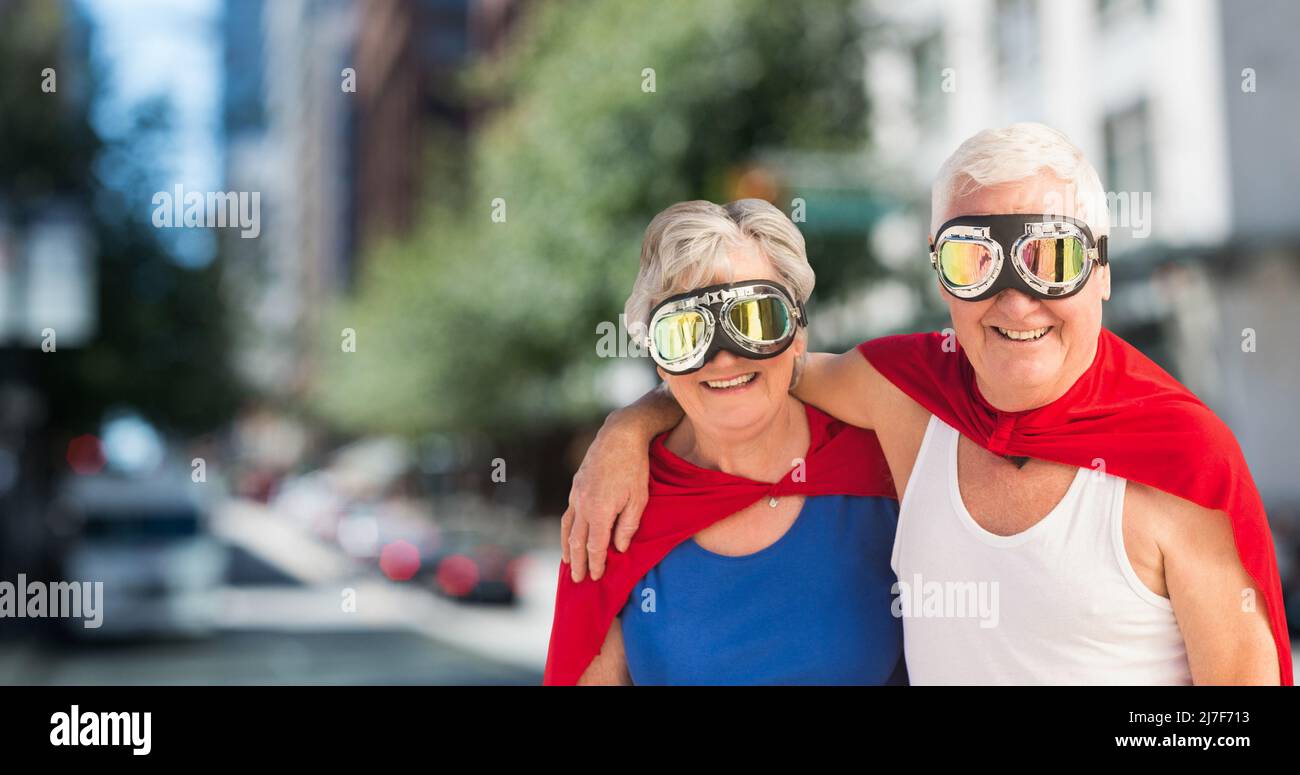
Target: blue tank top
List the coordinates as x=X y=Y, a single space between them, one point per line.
x=811 y=608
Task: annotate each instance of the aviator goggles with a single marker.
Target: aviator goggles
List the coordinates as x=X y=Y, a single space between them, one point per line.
x=1050 y=256
x=753 y=319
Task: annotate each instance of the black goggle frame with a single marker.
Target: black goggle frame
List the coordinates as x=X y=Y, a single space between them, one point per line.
x=713 y=302
x=1004 y=235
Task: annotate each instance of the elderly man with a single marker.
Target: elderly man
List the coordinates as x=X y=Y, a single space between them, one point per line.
x=1102 y=510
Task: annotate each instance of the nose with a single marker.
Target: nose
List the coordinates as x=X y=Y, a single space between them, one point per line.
x=1015 y=303
x=724 y=360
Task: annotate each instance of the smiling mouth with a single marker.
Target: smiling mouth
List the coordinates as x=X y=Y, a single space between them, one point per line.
x=1027 y=335
x=731 y=384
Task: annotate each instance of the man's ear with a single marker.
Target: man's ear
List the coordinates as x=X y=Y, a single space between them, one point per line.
x=1105 y=284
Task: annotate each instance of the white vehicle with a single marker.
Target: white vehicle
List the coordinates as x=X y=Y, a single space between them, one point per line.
x=148 y=540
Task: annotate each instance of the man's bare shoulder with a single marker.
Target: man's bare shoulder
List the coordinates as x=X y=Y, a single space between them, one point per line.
x=1174 y=522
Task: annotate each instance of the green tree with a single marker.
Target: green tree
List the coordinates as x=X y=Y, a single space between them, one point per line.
x=475 y=323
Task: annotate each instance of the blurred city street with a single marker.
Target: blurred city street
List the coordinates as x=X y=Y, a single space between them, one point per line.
x=280 y=622
x=309 y=309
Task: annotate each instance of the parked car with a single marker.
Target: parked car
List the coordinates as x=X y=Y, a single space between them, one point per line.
x=368 y=526
x=474 y=566
x=148 y=540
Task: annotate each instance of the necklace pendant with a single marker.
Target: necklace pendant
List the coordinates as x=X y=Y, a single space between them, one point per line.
x=772 y=501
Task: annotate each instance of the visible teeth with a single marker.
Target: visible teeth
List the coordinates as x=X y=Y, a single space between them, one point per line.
x=742 y=379
x=1023 y=336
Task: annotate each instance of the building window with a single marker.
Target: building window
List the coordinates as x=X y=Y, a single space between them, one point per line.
x=928 y=65
x=1111 y=11
x=1017 y=37
x=1129 y=158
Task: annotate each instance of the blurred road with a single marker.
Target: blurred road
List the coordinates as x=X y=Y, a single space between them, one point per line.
x=283 y=621
x=263 y=657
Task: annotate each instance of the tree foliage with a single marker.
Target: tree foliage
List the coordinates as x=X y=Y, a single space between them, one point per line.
x=473 y=323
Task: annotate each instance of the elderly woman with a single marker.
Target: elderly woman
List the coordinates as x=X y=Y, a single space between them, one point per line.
x=763 y=555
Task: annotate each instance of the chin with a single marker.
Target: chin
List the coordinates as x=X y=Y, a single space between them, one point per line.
x=739 y=415
x=1026 y=371
x=1030 y=371
x=1028 y=376
x=738 y=418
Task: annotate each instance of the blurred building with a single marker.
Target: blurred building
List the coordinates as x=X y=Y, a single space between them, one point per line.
x=329 y=110
x=410 y=59
x=309 y=122
x=287 y=123
x=1190 y=105
x=247 y=274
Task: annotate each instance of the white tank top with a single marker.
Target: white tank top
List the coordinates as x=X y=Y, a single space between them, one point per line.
x=1058 y=603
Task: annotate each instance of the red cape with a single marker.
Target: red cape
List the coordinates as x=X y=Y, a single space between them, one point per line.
x=1126 y=411
x=685 y=499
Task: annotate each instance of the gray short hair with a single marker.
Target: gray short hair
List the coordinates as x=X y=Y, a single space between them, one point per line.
x=686 y=246
x=1019 y=152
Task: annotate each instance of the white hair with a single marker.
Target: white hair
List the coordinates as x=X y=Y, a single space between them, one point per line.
x=686 y=247
x=1014 y=153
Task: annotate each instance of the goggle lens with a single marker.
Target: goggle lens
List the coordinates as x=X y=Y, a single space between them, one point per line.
x=765 y=320
x=679 y=334
x=1054 y=259
x=964 y=263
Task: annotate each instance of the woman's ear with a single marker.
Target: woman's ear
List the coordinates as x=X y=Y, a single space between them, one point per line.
x=800 y=344
x=800 y=361
x=800 y=348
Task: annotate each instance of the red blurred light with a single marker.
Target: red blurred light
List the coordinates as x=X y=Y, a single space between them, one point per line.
x=399 y=560
x=512 y=573
x=86 y=455
x=458 y=575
